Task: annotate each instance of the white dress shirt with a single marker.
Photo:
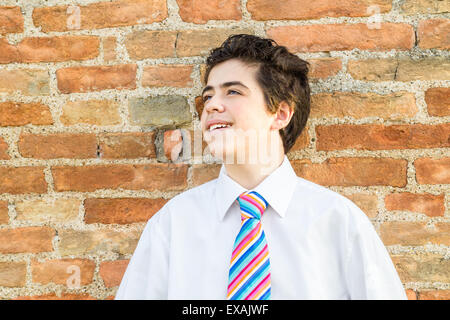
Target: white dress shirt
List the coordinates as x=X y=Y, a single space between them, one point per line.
x=321 y=245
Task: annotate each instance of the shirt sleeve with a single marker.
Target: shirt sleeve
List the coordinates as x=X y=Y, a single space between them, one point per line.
x=146 y=276
x=370 y=273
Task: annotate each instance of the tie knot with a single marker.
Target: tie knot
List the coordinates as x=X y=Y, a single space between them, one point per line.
x=252 y=205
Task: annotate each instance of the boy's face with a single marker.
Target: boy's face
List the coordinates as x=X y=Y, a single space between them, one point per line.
x=233 y=98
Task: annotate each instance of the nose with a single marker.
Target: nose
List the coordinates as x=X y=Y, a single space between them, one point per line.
x=214 y=104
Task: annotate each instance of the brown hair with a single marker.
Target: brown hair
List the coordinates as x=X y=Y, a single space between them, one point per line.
x=281 y=75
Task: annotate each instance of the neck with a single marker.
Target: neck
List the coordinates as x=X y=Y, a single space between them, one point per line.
x=251 y=175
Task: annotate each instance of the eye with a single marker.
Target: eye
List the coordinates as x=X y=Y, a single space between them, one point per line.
x=233 y=91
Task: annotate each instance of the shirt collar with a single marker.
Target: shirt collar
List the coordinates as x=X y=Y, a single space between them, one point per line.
x=277 y=189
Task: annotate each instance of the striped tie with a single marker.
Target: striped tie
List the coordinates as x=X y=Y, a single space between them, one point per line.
x=249 y=276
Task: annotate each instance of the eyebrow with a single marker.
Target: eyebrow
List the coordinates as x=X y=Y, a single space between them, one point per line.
x=225 y=85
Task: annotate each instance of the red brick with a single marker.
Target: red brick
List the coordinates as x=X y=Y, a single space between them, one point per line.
x=26 y=239
x=19 y=114
x=432 y=171
x=368 y=203
x=173 y=144
x=58 y=145
x=302 y=10
x=434 y=295
x=112 y=272
x=13 y=274
x=60 y=271
x=127 y=145
x=336 y=37
x=4 y=150
x=16 y=180
x=434 y=34
x=200 y=42
x=302 y=142
x=201 y=12
x=202 y=173
x=438 y=101
x=109 y=48
x=429 y=204
x=30 y=82
x=100 y=15
x=324 y=68
x=96 y=78
x=409 y=233
x=411 y=294
x=353 y=171
x=121 y=210
x=381 y=137
x=4 y=217
x=53 y=296
x=11 y=20
x=130 y=177
x=50 y=49
x=397 y=105
x=167 y=76
x=151 y=44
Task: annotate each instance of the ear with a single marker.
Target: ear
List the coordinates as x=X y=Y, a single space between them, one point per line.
x=282 y=116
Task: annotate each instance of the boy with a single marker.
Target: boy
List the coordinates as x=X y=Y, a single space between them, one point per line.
x=258 y=231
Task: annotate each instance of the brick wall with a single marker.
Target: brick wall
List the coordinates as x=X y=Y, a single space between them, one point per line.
x=99 y=108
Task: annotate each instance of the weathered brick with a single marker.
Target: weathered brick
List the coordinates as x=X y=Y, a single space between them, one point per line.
x=404 y=69
x=100 y=15
x=336 y=37
x=396 y=105
x=429 y=204
x=48 y=210
x=434 y=34
x=19 y=114
x=127 y=145
x=25 y=81
x=16 y=180
x=434 y=295
x=49 y=49
x=361 y=171
x=93 y=112
x=408 y=233
x=13 y=274
x=199 y=105
x=172 y=144
x=411 y=294
x=58 y=145
x=109 y=48
x=54 y=296
x=159 y=111
x=96 y=78
x=425 y=6
x=368 y=203
x=26 y=239
x=59 y=271
x=200 y=42
x=438 y=101
x=432 y=171
x=121 y=210
x=112 y=272
x=4 y=217
x=167 y=76
x=381 y=137
x=76 y=242
x=4 y=150
x=324 y=68
x=11 y=20
x=202 y=173
x=423 y=267
x=302 y=10
x=153 y=44
x=130 y=177
x=199 y=12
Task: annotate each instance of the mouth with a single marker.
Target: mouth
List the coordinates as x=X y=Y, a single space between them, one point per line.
x=219 y=126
